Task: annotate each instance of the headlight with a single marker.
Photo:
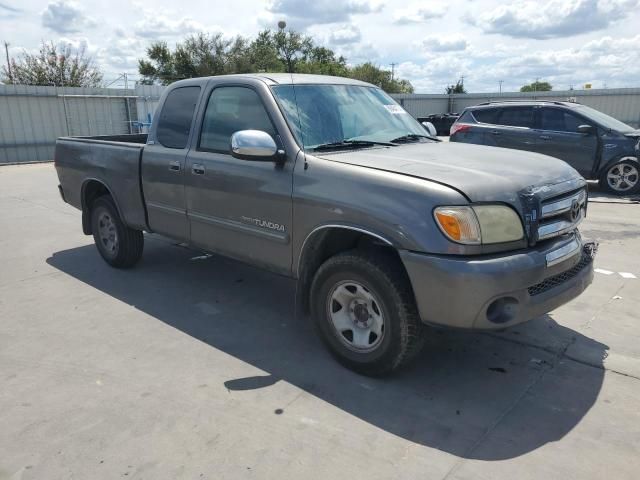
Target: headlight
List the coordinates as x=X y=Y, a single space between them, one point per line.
x=481 y=224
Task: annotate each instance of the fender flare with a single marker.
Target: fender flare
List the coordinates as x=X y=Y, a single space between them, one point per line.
x=86 y=212
x=317 y=230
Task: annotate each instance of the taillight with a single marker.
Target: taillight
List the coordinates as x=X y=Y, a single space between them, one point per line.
x=459 y=128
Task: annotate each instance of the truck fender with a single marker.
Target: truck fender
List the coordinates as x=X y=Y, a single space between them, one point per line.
x=323 y=242
x=93 y=188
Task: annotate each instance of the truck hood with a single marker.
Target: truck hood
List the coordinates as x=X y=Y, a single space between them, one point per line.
x=480 y=173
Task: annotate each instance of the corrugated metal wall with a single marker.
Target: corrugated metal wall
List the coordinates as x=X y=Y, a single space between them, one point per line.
x=620 y=103
x=31 y=118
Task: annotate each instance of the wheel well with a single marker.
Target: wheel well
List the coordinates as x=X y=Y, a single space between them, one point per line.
x=326 y=243
x=90 y=191
x=615 y=161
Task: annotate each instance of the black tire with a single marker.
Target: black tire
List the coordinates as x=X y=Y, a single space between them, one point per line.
x=629 y=167
x=384 y=277
x=124 y=246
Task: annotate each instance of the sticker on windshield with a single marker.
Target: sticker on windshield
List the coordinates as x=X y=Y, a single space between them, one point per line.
x=395 y=109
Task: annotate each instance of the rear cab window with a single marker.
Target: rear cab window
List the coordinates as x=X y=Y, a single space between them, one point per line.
x=516 y=117
x=176 y=117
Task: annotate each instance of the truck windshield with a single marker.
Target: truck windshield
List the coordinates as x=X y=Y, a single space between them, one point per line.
x=334 y=115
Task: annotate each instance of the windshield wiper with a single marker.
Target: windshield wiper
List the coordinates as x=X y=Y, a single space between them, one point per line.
x=346 y=143
x=411 y=137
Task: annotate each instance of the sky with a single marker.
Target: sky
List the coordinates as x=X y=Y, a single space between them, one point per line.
x=432 y=43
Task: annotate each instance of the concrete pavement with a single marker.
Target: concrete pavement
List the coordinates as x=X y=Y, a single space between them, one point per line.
x=192 y=367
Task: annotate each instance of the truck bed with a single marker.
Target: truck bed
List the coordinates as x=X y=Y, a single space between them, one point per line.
x=113 y=160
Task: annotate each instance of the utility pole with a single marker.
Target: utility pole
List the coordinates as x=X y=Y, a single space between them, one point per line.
x=126 y=81
x=393 y=70
x=535 y=84
x=500 y=82
x=6 y=51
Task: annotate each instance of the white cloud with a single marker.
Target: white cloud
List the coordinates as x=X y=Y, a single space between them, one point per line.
x=64 y=16
x=441 y=43
x=8 y=11
x=153 y=25
x=606 y=60
x=417 y=13
x=300 y=14
x=345 y=34
x=552 y=19
x=562 y=41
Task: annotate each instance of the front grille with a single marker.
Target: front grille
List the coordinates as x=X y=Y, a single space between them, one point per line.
x=559 y=279
x=562 y=214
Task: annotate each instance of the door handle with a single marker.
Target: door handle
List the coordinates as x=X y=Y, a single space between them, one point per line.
x=495 y=132
x=197 y=169
x=545 y=137
x=174 y=166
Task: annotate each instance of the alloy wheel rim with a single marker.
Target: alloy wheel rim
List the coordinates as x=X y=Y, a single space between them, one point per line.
x=108 y=233
x=622 y=177
x=356 y=316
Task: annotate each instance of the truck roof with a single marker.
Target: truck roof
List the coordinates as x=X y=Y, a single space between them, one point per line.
x=285 y=79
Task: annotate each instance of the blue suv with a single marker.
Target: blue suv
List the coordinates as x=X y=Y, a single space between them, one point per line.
x=596 y=145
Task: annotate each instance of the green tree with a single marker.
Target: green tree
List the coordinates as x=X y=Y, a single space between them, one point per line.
x=280 y=51
x=199 y=55
x=54 y=65
x=368 y=72
x=537 y=87
x=457 y=88
x=293 y=48
x=263 y=53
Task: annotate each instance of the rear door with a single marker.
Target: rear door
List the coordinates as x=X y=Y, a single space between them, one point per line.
x=513 y=129
x=239 y=208
x=558 y=137
x=163 y=164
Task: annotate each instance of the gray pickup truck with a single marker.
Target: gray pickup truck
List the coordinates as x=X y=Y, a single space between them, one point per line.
x=328 y=180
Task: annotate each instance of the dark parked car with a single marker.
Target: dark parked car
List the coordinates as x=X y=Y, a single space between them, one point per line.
x=441 y=121
x=597 y=145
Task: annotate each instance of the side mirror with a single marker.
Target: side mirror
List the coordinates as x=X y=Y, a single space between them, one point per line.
x=430 y=128
x=586 y=129
x=253 y=145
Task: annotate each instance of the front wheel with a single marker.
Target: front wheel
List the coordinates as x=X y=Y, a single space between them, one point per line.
x=119 y=245
x=363 y=306
x=621 y=178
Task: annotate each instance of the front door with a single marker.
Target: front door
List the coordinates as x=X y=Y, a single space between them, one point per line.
x=163 y=164
x=239 y=208
x=558 y=137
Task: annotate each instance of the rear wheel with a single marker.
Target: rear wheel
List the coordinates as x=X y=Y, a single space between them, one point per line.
x=621 y=178
x=119 y=245
x=363 y=306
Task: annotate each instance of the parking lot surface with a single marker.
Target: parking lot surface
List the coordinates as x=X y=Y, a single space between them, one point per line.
x=193 y=366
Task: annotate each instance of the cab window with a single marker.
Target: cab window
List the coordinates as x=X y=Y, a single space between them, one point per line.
x=176 y=116
x=229 y=110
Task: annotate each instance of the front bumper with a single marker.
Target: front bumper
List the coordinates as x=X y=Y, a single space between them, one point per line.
x=498 y=291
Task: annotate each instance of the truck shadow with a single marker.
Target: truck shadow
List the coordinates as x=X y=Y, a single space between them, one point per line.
x=481 y=396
